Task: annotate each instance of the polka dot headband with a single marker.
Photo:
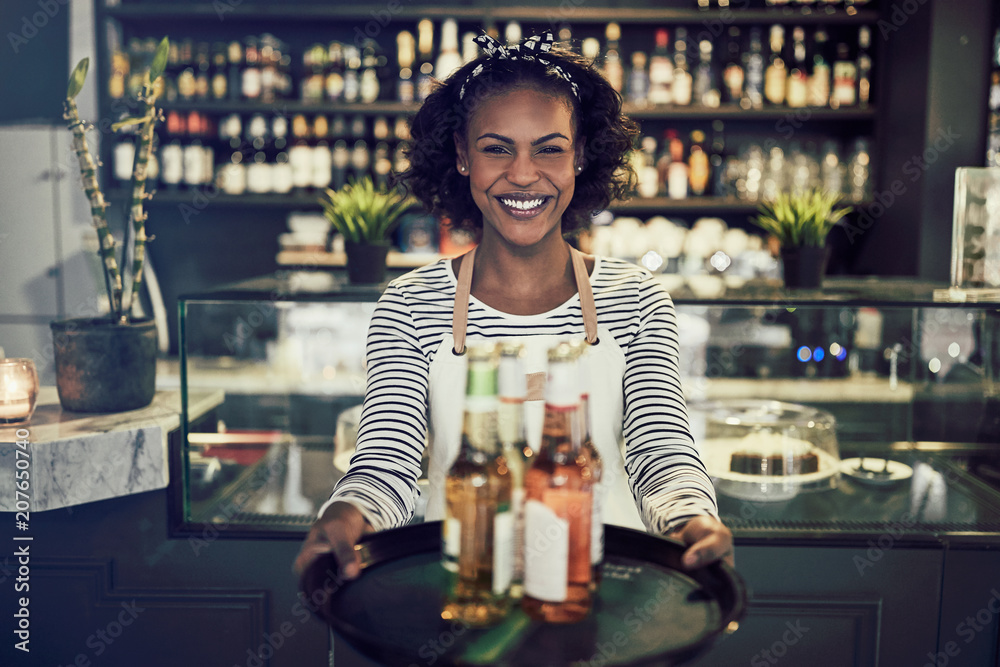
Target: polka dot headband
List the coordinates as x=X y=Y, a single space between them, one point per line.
x=529 y=49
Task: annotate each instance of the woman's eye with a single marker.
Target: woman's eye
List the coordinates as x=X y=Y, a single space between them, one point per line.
x=496 y=149
x=550 y=150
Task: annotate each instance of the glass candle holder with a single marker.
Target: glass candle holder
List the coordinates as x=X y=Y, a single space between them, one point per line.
x=18 y=390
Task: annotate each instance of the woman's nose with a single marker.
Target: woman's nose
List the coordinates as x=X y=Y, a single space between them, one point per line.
x=523 y=170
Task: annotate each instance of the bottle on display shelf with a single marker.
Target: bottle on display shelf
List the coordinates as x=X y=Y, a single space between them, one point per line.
x=400 y=162
x=352 y=73
x=564 y=36
x=328 y=68
x=637 y=91
x=341 y=163
x=122 y=158
x=661 y=70
x=449 y=59
x=591 y=49
x=358 y=125
x=753 y=93
x=406 y=55
x=425 y=48
x=682 y=88
x=717 y=160
x=203 y=71
x=250 y=76
x=381 y=165
x=864 y=66
x=705 y=91
x=172 y=164
x=300 y=153
x=380 y=128
x=593 y=461
x=361 y=159
x=558 y=504
x=613 y=70
x=513 y=390
x=732 y=74
x=470 y=49
x=831 y=168
x=512 y=34
x=663 y=164
x=859 y=185
x=845 y=79
x=699 y=168
x=232 y=176
x=797 y=86
x=819 y=79
x=677 y=172
x=644 y=163
x=322 y=165
x=370 y=86
x=777 y=71
x=478 y=529
x=220 y=72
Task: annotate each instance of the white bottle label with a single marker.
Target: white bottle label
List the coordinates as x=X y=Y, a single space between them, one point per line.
x=546 y=553
x=597 y=527
x=503 y=552
x=451 y=541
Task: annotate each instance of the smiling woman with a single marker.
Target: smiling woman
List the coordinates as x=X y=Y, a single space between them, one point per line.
x=523 y=143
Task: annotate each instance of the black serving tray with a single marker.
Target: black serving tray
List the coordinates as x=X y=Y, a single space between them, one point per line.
x=648 y=609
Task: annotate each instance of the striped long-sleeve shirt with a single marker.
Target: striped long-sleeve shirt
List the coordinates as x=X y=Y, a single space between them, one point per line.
x=414 y=314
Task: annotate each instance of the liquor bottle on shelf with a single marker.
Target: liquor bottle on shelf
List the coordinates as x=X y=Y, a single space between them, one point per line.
x=232 y=177
x=819 y=80
x=449 y=59
x=234 y=70
x=645 y=168
x=845 y=77
x=777 y=72
x=733 y=74
x=202 y=71
x=753 y=93
x=470 y=50
x=352 y=73
x=593 y=460
x=300 y=154
x=322 y=163
x=478 y=530
x=558 y=504
x=258 y=168
x=831 y=168
x=637 y=91
x=699 y=171
x=513 y=390
x=281 y=169
x=661 y=70
x=864 y=67
x=705 y=91
x=683 y=84
x=512 y=33
x=406 y=55
x=859 y=183
x=717 y=160
x=370 y=88
x=360 y=158
x=250 y=80
x=341 y=163
x=425 y=48
x=123 y=156
x=663 y=164
x=677 y=172
x=614 y=72
x=120 y=73
x=172 y=164
x=334 y=72
x=797 y=87
x=381 y=165
x=380 y=128
x=220 y=72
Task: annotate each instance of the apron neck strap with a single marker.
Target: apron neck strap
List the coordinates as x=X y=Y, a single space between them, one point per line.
x=460 y=312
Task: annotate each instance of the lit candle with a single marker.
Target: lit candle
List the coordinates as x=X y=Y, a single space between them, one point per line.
x=18 y=389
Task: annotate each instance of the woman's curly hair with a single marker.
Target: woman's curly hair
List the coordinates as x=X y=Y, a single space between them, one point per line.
x=608 y=136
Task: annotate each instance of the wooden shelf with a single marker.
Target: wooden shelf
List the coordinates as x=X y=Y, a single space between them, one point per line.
x=293 y=13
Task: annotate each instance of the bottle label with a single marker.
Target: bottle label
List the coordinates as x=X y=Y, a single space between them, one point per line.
x=451 y=540
x=503 y=552
x=597 y=527
x=546 y=553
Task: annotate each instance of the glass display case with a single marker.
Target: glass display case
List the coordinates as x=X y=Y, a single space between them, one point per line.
x=892 y=395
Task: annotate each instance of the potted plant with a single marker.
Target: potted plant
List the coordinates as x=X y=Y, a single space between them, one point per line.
x=365 y=216
x=800 y=221
x=108 y=364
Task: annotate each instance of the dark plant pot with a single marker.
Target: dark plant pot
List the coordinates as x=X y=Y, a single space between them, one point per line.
x=804 y=266
x=366 y=262
x=102 y=366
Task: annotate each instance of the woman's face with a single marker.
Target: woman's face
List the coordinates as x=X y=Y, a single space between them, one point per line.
x=520 y=155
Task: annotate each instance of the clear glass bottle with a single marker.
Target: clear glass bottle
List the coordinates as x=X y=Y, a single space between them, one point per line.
x=797 y=86
x=593 y=459
x=558 y=504
x=845 y=79
x=406 y=54
x=733 y=74
x=683 y=84
x=819 y=80
x=638 y=80
x=777 y=72
x=661 y=70
x=478 y=530
x=614 y=72
x=513 y=391
x=753 y=93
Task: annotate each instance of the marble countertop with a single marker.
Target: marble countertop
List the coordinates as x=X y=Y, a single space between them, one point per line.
x=78 y=458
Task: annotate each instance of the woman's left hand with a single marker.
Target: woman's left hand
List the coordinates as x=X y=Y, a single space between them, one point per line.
x=708 y=540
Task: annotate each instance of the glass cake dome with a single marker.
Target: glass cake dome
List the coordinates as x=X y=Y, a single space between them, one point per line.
x=768 y=450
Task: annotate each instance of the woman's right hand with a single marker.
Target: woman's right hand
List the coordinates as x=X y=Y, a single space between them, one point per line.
x=336 y=531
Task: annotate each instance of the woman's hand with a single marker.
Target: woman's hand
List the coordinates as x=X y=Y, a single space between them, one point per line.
x=336 y=532
x=708 y=540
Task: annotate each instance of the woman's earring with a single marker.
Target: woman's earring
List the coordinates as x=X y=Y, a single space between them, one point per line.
x=579 y=169
x=462 y=169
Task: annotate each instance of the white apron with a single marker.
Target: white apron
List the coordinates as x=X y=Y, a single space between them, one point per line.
x=605 y=367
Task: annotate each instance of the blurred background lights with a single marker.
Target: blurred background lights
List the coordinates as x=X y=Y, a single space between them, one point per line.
x=818 y=354
x=652 y=261
x=720 y=261
x=954 y=350
x=838 y=351
x=803 y=353
x=934 y=365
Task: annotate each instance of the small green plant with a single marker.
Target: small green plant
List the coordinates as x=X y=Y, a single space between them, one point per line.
x=800 y=218
x=363 y=213
x=120 y=292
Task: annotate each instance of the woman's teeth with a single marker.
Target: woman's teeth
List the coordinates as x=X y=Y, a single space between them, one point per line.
x=522 y=205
